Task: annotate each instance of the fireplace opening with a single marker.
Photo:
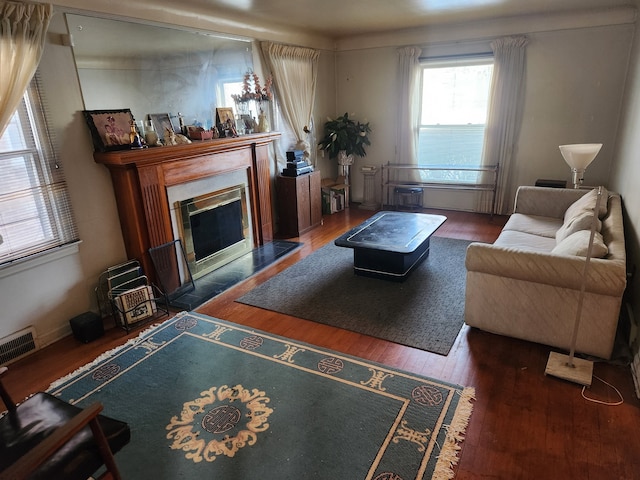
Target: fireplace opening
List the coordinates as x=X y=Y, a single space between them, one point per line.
x=214 y=228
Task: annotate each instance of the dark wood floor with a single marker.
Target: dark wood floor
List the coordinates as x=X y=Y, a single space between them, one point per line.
x=524 y=425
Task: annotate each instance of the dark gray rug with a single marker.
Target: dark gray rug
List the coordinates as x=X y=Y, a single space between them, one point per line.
x=426 y=311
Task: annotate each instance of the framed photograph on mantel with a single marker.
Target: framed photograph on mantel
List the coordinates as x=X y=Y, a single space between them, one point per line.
x=225 y=114
x=110 y=129
x=161 y=122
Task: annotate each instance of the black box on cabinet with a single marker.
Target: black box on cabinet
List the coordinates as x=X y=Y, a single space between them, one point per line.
x=87 y=326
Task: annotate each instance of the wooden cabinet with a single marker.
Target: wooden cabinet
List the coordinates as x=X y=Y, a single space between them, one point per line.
x=299 y=203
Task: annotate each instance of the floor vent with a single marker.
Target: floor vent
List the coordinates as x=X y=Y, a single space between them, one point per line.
x=18 y=345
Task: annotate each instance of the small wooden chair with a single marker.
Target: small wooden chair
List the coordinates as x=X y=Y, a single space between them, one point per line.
x=45 y=437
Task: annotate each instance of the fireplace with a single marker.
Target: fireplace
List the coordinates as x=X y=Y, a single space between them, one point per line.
x=214 y=228
x=146 y=181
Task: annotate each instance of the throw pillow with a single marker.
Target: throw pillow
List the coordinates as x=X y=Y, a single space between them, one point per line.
x=587 y=203
x=582 y=221
x=578 y=243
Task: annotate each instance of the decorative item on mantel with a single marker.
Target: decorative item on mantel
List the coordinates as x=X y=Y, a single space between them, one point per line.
x=112 y=129
x=252 y=91
x=344 y=138
x=195 y=132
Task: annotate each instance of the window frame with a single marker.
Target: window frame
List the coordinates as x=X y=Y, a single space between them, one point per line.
x=441 y=174
x=46 y=189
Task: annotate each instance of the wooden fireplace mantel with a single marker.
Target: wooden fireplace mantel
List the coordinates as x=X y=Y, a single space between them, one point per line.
x=141 y=178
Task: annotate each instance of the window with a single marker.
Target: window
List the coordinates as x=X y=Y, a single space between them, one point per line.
x=453 y=113
x=35 y=211
x=229 y=89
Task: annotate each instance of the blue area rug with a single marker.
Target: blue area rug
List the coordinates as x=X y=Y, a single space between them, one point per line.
x=206 y=398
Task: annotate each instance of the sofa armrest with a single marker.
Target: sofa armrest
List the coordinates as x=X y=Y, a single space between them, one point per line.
x=544 y=201
x=604 y=276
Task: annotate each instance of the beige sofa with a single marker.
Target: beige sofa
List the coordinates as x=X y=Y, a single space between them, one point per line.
x=527 y=284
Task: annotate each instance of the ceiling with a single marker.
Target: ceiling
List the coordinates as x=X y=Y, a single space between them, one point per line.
x=330 y=19
x=341 y=18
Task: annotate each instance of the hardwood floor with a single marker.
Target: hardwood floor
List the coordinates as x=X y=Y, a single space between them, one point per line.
x=524 y=425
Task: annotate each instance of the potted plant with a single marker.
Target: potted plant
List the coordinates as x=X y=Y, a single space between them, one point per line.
x=345 y=137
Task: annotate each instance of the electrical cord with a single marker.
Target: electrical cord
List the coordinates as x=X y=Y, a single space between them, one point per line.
x=610 y=404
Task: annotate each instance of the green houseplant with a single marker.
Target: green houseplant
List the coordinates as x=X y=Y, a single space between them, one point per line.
x=345 y=135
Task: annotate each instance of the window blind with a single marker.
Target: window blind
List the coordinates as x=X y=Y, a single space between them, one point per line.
x=35 y=209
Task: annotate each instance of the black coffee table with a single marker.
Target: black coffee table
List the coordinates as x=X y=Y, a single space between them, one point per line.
x=390 y=244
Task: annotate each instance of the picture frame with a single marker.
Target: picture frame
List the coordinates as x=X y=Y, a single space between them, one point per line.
x=160 y=122
x=224 y=113
x=175 y=122
x=249 y=122
x=109 y=129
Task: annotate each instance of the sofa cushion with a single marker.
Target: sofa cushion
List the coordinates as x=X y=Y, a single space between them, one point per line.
x=577 y=244
x=581 y=221
x=534 y=224
x=525 y=241
x=587 y=203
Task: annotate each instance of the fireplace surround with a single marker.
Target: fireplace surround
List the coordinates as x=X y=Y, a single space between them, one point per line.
x=142 y=179
x=214 y=228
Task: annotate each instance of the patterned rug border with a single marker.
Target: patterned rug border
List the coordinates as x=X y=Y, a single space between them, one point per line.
x=448 y=456
x=111 y=353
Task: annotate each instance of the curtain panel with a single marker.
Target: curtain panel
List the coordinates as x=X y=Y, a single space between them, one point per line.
x=408 y=109
x=294 y=71
x=504 y=117
x=23 y=28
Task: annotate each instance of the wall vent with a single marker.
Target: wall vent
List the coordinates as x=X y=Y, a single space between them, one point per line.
x=17 y=345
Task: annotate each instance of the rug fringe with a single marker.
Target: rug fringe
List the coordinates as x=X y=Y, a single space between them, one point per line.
x=109 y=353
x=448 y=456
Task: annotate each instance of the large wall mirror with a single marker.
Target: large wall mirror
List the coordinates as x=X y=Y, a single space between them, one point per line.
x=151 y=69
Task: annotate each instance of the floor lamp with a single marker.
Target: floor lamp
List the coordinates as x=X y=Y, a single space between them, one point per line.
x=566 y=366
x=578 y=157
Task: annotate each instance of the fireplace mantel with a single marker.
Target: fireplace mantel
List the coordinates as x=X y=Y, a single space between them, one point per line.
x=141 y=178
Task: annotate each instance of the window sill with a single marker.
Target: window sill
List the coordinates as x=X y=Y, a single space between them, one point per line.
x=40 y=259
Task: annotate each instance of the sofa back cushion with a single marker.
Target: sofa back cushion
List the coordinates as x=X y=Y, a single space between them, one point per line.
x=587 y=203
x=578 y=243
x=613 y=230
x=579 y=215
x=581 y=221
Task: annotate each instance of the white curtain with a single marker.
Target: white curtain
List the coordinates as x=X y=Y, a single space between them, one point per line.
x=23 y=28
x=504 y=117
x=294 y=71
x=408 y=107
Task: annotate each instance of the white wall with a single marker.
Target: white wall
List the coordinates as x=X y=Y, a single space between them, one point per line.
x=575 y=80
x=626 y=174
x=325 y=105
x=575 y=83
x=366 y=86
x=48 y=295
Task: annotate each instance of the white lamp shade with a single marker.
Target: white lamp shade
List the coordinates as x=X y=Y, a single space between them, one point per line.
x=580 y=155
